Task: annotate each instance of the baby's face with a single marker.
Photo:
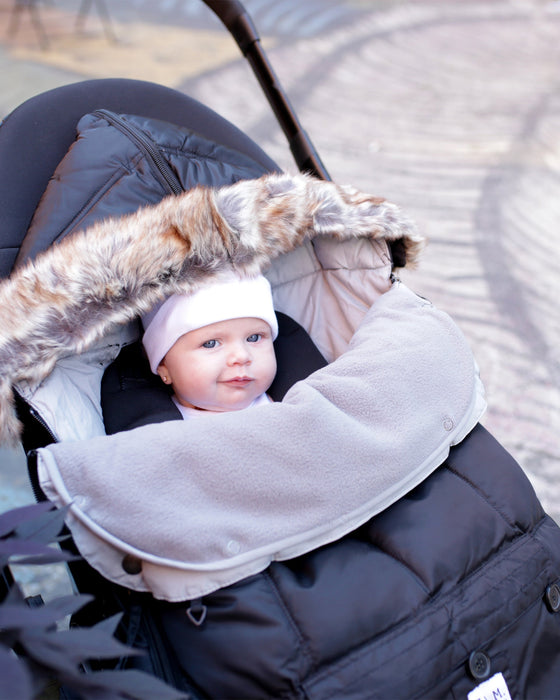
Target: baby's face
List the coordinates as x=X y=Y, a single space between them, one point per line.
x=223 y=366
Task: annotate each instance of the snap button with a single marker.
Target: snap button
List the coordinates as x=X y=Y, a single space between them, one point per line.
x=448 y=423
x=131 y=564
x=479 y=665
x=233 y=547
x=552 y=597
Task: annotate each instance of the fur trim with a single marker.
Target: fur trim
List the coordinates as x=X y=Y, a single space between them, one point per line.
x=67 y=299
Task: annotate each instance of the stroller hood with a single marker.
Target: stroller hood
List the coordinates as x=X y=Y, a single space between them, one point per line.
x=61 y=304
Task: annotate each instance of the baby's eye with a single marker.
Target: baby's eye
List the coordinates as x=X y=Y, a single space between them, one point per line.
x=210 y=344
x=254 y=338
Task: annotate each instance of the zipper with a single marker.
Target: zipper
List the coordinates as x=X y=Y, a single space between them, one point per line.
x=161 y=168
x=32 y=470
x=42 y=422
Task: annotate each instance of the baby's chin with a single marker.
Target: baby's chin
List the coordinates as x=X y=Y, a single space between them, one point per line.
x=231 y=407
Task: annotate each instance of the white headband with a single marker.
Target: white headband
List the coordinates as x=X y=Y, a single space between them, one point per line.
x=215 y=301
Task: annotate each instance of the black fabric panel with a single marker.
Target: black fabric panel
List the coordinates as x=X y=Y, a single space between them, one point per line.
x=35 y=137
x=132 y=396
x=7 y=259
x=296 y=355
x=106 y=174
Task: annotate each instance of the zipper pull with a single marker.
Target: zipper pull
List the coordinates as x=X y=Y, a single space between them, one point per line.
x=196 y=612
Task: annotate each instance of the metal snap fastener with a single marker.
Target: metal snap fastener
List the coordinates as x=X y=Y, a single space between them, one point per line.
x=131 y=564
x=479 y=665
x=552 y=597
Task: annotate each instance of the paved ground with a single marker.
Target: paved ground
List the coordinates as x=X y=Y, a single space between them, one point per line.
x=451 y=109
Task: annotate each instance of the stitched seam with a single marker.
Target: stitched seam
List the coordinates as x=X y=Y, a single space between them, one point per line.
x=285 y=609
x=117 y=176
x=489 y=640
x=481 y=495
x=429 y=634
x=382 y=547
x=407 y=624
x=321 y=269
x=387 y=550
x=192 y=154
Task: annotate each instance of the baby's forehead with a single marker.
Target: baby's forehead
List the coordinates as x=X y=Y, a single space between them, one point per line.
x=240 y=325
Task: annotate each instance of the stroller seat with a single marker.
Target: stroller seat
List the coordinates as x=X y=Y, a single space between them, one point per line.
x=443 y=590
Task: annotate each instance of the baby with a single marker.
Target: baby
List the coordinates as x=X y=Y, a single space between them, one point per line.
x=215 y=346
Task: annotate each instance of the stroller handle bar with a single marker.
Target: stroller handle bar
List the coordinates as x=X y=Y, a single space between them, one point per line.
x=242 y=28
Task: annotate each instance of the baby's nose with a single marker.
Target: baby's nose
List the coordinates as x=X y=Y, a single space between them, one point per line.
x=240 y=354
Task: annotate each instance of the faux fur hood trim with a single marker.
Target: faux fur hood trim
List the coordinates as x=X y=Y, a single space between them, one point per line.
x=68 y=298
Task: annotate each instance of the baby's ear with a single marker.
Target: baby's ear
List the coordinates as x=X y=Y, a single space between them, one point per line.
x=163 y=373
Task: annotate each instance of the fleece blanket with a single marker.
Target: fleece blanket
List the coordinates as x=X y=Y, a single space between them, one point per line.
x=186 y=507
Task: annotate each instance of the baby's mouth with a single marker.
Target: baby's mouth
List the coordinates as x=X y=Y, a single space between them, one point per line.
x=239 y=381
